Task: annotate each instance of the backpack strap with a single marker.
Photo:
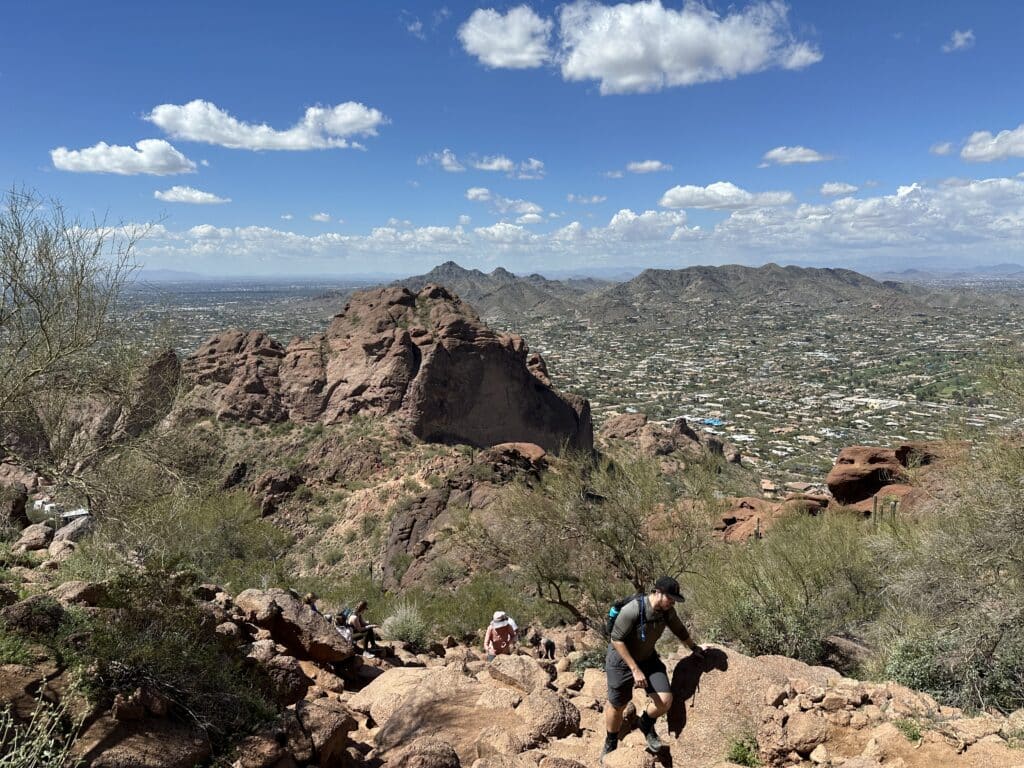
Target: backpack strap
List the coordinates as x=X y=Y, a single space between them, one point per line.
x=643 y=617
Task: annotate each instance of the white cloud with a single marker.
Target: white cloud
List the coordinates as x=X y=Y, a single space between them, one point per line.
x=478 y=194
x=464 y=220
x=643 y=46
x=955 y=222
x=531 y=168
x=649 y=225
x=792 y=155
x=415 y=28
x=501 y=203
x=959 y=41
x=287 y=216
x=445 y=158
x=191 y=195
x=516 y=40
x=150 y=156
x=647 y=166
x=530 y=218
x=942 y=149
x=983 y=147
x=722 y=195
x=614 y=174
x=495 y=163
x=320 y=127
x=322 y=218
x=585 y=199
x=835 y=188
x=502 y=232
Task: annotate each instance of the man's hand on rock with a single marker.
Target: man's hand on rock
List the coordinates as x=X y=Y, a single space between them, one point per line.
x=639 y=679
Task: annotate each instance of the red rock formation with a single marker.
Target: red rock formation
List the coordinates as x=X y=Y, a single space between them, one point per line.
x=861 y=471
x=653 y=439
x=426 y=357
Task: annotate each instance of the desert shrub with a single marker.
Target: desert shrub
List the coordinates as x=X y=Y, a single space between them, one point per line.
x=13 y=649
x=593 y=530
x=219 y=535
x=957 y=583
x=592 y=658
x=407 y=623
x=155 y=636
x=469 y=609
x=42 y=742
x=909 y=728
x=810 y=578
x=743 y=751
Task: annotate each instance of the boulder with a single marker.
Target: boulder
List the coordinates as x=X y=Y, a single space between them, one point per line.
x=861 y=471
x=290 y=684
x=35 y=615
x=79 y=593
x=548 y=715
x=147 y=743
x=520 y=672
x=76 y=530
x=424 y=753
x=34 y=537
x=293 y=624
x=13 y=501
x=328 y=723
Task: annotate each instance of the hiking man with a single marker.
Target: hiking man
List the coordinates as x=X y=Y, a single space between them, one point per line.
x=632 y=662
x=501 y=636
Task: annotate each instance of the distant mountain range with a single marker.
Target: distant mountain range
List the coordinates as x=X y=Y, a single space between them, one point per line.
x=503 y=294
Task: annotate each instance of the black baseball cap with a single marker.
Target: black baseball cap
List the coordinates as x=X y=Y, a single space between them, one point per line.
x=669 y=586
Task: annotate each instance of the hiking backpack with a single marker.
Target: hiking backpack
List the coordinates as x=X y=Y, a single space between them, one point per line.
x=616 y=608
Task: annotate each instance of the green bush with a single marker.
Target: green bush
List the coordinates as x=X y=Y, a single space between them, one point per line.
x=155 y=635
x=407 y=623
x=811 y=577
x=592 y=658
x=909 y=728
x=13 y=650
x=743 y=751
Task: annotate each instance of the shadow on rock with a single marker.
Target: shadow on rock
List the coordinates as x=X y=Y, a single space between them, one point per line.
x=686 y=682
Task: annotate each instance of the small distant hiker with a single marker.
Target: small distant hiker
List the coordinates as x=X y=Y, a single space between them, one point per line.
x=544 y=646
x=632 y=661
x=363 y=631
x=502 y=637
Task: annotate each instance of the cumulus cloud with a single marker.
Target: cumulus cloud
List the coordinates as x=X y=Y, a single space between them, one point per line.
x=983 y=147
x=445 y=158
x=722 y=195
x=614 y=174
x=495 y=163
x=835 y=188
x=647 y=166
x=515 y=40
x=502 y=232
x=320 y=127
x=287 y=216
x=791 y=156
x=530 y=218
x=501 y=203
x=942 y=149
x=478 y=194
x=585 y=199
x=149 y=156
x=322 y=218
x=643 y=46
x=959 y=41
x=957 y=220
x=191 y=195
x=531 y=168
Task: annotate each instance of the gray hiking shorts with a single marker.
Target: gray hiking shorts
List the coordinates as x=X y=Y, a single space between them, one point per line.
x=620 y=679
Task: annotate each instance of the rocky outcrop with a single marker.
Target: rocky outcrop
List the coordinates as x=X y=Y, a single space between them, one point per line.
x=861 y=471
x=425 y=357
x=294 y=624
x=653 y=439
x=13 y=501
x=751 y=517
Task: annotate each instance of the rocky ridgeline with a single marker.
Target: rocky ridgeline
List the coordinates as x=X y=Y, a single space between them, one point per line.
x=425 y=357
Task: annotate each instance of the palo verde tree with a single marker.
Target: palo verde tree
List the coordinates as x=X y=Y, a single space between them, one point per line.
x=60 y=282
x=592 y=529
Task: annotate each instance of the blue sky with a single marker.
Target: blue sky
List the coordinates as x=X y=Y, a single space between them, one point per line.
x=343 y=137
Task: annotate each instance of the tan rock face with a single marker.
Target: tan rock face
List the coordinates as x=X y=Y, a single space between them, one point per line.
x=425 y=356
x=655 y=440
x=520 y=672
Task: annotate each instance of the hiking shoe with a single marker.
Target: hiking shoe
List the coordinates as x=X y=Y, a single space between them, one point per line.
x=605 y=750
x=653 y=742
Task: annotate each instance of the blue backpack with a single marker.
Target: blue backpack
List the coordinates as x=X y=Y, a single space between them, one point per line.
x=616 y=609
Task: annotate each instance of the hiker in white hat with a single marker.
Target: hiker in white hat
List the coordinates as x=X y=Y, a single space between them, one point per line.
x=501 y=637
